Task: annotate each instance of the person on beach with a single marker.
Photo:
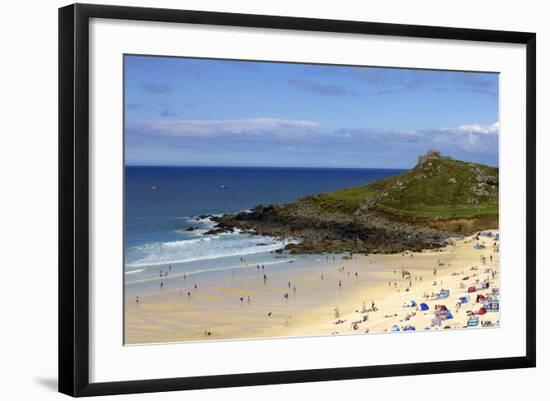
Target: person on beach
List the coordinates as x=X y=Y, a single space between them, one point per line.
x=294 y=289
x=265 y=279
x=161 y=285
x=188 y=294
x=322 y=277
x=340 y=283
x=241 y=299
x=289 y=284
x=195 y=286
x=184 y=277
x=137 y=299
x=286 y=295
x=248 y=299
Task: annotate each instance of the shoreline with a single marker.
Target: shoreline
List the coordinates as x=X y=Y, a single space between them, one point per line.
x=219 y=309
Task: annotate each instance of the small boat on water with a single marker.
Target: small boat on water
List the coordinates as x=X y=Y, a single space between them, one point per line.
x=155 y=188
x=223 y=187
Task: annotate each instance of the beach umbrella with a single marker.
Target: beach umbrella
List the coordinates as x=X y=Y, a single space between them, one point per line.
x=395 y=328
x=424 y=306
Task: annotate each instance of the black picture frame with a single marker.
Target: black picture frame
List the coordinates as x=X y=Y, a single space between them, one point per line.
x=74 y=198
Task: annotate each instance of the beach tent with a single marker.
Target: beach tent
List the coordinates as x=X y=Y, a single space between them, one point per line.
x=424 y=306
x=448 y=315
x=479 y=246
x=395 y=328
x=472 y=289
x=413 y=304
x=492 y=305
x=464 y=300
x=409 y=328
x=442 y=294
x=473 y=321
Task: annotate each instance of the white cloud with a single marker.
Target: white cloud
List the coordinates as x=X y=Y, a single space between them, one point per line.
x=263 y=126
x=475 y=129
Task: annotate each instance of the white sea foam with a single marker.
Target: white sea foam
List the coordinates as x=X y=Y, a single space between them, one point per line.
x=202 y=248
x=135 y=271
x=208 y=270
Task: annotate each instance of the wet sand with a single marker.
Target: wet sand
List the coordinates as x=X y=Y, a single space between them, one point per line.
x=325 y=295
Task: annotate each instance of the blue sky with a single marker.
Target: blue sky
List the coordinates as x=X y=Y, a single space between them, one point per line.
x=181 y=111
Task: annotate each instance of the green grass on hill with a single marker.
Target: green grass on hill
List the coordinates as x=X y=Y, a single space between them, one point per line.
x=345 y=200
x=438 y=188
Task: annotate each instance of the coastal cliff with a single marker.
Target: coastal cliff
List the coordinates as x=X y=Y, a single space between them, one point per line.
x=420 y=209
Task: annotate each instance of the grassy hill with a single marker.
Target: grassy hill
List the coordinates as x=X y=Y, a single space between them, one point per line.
x=439 y=188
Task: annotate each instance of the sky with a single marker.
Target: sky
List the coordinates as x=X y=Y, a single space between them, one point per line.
x=204 y=112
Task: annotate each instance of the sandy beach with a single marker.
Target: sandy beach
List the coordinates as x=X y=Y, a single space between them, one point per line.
x=450 y=288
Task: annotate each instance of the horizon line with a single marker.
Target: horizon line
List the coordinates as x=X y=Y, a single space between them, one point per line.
x=294 y=167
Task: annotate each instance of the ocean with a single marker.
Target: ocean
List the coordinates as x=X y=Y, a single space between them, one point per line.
x=161 y=203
